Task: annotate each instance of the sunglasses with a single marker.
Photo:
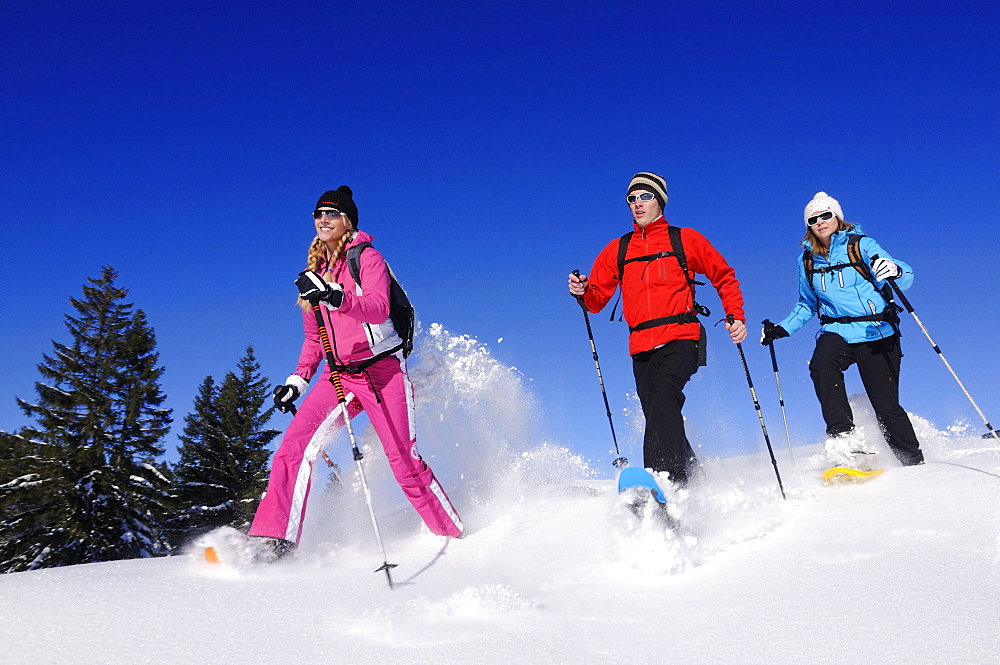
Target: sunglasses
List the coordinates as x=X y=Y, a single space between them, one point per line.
x=331 y=214
x=822 y=217
x=644 y=196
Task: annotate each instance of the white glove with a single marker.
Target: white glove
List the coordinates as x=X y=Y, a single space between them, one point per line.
x=883 y=269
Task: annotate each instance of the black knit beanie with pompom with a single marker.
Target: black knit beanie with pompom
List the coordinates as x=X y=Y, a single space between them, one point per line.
x=342 y=199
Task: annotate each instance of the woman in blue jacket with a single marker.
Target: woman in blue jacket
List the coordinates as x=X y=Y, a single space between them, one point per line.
x=859 y=326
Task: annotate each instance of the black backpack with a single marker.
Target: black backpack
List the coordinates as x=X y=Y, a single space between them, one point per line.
x=400 y=309
x=678 y=253
x=684 y=317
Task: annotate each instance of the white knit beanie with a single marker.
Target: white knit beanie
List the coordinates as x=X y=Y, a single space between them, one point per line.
x=821 y=203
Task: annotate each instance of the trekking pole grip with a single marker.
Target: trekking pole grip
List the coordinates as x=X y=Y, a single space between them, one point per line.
x=579 y=299
x=774 y=358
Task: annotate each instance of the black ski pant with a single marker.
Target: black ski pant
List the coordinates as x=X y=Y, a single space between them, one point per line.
x=878 y=364
x=660 y=377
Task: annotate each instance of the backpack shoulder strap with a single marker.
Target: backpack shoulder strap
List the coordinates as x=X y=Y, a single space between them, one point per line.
x=354 y=260
x=807 y=264
x=857 y=259
x=678 y=251
x=622 y=250
x=678 y=248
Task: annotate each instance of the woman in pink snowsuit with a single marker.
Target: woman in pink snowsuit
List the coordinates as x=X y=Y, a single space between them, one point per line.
x=358 y=324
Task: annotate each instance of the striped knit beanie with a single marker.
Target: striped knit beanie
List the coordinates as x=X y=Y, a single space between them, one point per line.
x=652 y=183
x=821 y=203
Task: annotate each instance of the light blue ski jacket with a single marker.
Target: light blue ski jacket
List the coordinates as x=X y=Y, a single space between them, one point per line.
x=844 y=292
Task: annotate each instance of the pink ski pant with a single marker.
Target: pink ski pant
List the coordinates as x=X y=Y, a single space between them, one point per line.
x=283 y=508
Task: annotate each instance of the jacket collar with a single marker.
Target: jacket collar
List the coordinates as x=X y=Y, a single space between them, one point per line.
x=655 y=225
x=359 y=237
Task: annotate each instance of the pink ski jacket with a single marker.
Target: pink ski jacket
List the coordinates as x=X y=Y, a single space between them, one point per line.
x=360 y=328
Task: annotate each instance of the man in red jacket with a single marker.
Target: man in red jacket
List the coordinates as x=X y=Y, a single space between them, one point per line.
x=666 y=341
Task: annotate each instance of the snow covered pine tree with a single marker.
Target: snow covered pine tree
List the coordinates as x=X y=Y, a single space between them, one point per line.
x=90 y=489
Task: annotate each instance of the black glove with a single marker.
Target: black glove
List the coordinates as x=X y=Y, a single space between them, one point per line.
x=285 y=395
x=771 y=332
x=314 y=288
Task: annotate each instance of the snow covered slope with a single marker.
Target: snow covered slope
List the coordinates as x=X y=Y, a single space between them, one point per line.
x=903 y=567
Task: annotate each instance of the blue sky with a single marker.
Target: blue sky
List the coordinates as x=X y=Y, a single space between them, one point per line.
x=489 y=148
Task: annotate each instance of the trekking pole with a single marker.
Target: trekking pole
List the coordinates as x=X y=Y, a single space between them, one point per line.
x=358 y=456
x=620 y=462
x=760 y=415
x=909 y=308
x=781 y=399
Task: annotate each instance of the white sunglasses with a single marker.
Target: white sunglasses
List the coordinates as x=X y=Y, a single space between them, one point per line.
x=644 y=196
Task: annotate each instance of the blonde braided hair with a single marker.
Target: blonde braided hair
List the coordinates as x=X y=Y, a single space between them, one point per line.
x=319 y=256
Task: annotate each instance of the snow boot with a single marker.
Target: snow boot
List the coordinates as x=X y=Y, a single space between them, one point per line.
x=270 y=550
x=849 y=449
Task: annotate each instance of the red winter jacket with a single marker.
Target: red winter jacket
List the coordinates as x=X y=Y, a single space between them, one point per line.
x=658 y=288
